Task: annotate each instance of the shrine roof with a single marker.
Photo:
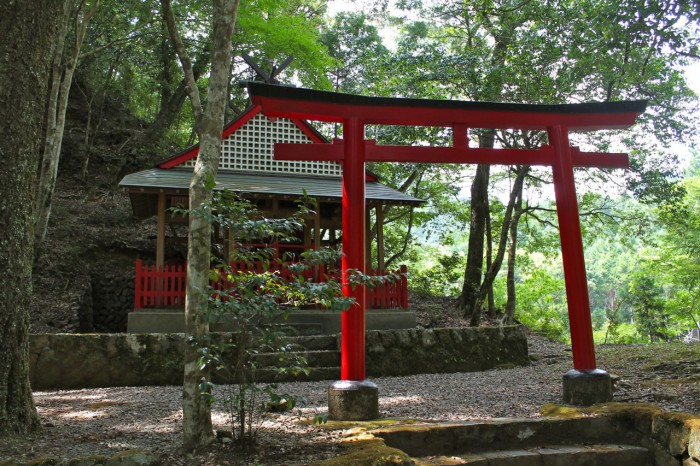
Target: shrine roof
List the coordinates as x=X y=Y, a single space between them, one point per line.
x=261 y=185
x=332 y=106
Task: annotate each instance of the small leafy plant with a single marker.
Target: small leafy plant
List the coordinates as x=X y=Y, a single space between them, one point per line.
x=254 y=290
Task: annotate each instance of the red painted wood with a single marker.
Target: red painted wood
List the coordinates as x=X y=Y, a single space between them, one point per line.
x=309 y=131
x=598 y=159
x=352 y=357
x=460 y=138
x=438 y=116
x=475 y=155
x=543 y=156
x=192 y=152
x=165 y=286
x=572 y=252
x=355 y=111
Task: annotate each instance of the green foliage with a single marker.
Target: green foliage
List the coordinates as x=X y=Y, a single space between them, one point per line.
x=647 y=302
x=542 y=304
x=270 y=31
x=623 y=333
x=256 y=301
x=256 y=304
x=357 y=53
x=438 y=274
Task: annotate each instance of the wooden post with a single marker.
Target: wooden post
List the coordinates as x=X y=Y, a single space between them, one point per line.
x=368 y=238
x=307 y=236
x=317 y=226
x=160 y=235
x=352 y=354
x=582 y=347
x=380 y=237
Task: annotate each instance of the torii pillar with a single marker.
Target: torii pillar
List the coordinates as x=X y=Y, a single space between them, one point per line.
x=354 y=397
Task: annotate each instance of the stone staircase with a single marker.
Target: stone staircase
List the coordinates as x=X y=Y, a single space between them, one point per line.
x=550 y=455
x=522 y=442
x=322 y=354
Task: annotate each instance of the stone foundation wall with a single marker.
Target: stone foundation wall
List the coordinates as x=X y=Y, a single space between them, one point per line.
x=414 y=351
x=112 y=300
x=65 y=361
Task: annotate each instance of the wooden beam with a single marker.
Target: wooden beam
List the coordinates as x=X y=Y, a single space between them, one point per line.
x=544 y=156
x=331 y=107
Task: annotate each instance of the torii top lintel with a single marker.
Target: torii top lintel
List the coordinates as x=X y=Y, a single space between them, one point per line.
x=337 y=107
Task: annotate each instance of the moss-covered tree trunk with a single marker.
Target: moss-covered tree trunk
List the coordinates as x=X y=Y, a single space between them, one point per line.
x=28 y=28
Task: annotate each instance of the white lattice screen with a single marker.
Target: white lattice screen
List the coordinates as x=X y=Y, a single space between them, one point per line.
x=250 y=148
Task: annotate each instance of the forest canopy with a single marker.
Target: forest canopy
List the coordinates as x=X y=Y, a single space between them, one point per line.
x=640 y=226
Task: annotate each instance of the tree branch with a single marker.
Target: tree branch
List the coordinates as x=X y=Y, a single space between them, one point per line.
x=185 y=60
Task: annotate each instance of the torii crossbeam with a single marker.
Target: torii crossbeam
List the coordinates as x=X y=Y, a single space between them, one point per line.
x=354 y=112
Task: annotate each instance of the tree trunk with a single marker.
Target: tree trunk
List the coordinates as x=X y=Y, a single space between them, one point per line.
x=25 y=57
x=63 y=68
x=509 y=316
x=196 y=413
x=477 y=226
x=171 y=103
x=489 y=258
x=491 y=273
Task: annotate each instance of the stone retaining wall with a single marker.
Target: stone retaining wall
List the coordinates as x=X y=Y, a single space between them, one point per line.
x=65 y=361
x=414 y=351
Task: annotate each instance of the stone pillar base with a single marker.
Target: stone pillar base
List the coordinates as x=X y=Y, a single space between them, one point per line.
x=587 y=387
x=350 y=400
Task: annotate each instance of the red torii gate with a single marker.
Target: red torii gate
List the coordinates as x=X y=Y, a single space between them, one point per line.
x=354 y=112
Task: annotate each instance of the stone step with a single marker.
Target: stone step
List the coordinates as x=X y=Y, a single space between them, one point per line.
x=317 y=342
x=501 y=434
x=321 y=358
x=550 y=455
x=269 y=375
x=304 y=328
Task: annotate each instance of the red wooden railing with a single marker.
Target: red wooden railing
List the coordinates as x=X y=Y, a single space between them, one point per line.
x=166 y=286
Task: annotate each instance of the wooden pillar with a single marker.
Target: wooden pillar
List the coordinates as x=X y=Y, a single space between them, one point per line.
x=572 y=251
x=317 y=226
x=307 y=235
x=229 y=244
x=352 y=353
x=160 y=233
x=380 y=237
x=368 y=237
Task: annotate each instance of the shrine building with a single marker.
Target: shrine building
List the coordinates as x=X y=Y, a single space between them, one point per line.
x=248 y=168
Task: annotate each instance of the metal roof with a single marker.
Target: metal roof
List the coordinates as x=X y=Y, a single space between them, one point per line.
x=262 y=185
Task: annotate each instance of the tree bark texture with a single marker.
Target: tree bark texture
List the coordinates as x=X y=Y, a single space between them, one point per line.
x=197 y=426
x=62 y=70
x=25 y=55
x=475 y=247
x=509 y=315
x=491 y=273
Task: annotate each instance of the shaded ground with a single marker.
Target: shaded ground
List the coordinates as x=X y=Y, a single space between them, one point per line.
x=84 y=422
